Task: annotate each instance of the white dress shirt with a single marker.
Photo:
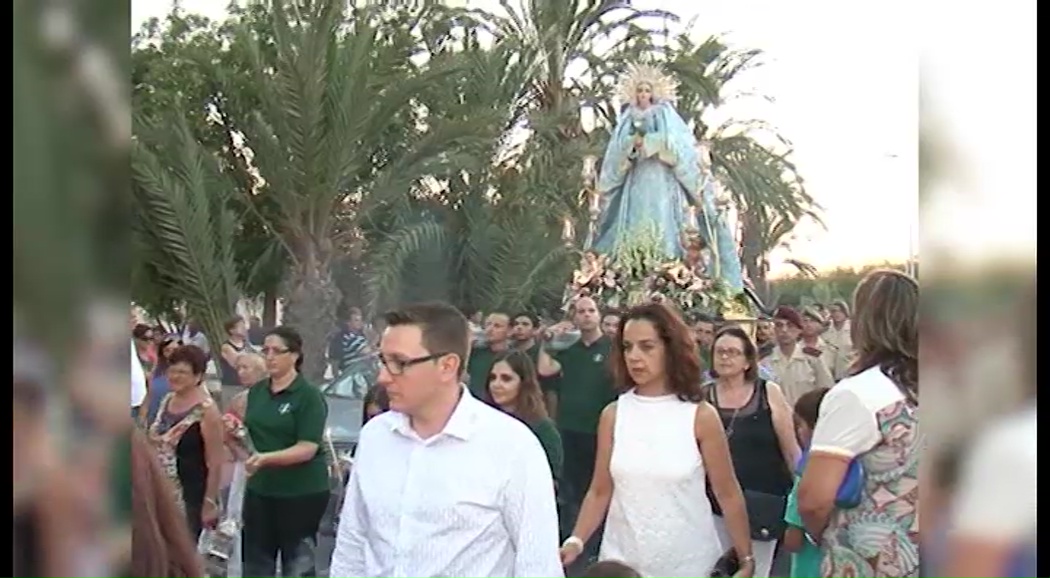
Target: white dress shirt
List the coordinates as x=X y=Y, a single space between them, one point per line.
x=475 y=500
x=138 y=379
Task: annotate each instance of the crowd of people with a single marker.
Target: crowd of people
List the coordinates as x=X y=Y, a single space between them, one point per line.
x=648 y=443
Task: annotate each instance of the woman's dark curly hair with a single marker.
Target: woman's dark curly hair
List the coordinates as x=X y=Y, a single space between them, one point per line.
x=885 y=328
x=682 y=358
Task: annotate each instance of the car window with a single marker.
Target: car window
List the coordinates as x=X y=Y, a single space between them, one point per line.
x=359 y=375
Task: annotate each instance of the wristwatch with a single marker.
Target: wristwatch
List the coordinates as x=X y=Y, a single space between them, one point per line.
x=750 y=558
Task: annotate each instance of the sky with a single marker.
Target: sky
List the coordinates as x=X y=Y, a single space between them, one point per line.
x=844 y=80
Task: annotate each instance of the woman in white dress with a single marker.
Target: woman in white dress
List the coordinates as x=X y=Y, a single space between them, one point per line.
x=655 y=445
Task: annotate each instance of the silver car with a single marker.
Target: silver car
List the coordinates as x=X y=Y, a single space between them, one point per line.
x=345 y=395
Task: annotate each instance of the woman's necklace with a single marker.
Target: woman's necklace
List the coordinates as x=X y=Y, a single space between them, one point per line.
x=736 y=410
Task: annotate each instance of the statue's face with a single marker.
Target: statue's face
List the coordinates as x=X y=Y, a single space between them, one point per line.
x=643 y=94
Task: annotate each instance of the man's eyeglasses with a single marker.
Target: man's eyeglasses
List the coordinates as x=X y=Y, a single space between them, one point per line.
x=398 y=366
x=274 y=351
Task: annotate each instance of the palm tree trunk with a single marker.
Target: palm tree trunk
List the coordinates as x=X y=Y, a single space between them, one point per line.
x=269 y=316
x=310 y=307
x=753 y=257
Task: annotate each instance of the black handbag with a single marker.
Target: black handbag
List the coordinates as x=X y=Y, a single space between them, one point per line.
x=765 y=514
x=727 y=565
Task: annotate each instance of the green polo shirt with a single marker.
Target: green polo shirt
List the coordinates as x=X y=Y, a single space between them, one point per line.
x=278 y=421
x=549 y=382
x=550 y=439
x=586 y=385
x=705 y=358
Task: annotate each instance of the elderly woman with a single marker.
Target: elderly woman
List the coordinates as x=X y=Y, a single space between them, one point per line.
x=251 y=369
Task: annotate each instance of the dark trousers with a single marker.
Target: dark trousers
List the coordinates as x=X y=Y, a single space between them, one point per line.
x=285 y=527
x=580 y=449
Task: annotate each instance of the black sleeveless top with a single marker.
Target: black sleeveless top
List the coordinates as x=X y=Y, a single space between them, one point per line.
x=753 y=444
x=191 y=461
x=229 y=372
x=192 y=466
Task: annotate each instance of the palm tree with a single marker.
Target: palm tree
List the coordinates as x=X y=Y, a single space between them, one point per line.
x=183 y=229
x=482 y=234
x=763 y=183
x=336 y=135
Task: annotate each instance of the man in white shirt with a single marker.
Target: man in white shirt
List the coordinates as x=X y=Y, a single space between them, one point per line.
x=138 y=381
x=443 y=484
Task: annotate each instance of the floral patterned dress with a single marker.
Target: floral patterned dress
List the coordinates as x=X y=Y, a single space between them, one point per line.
x=880 y=537
x=166 y=432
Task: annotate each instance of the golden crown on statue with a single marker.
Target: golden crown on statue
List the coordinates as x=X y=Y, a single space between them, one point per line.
x=664 y=88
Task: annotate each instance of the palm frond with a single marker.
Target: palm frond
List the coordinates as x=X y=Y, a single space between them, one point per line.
x=182 y=220
x=389 y=257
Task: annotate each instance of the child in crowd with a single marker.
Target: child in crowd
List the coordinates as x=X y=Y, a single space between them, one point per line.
x=610 y=569
x=805 y=555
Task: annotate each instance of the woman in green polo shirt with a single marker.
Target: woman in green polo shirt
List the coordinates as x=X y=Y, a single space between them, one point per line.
x=514 y=387
x=287 y=490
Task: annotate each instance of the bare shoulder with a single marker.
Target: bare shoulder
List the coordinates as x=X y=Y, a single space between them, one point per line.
x=707 y=420
x=210 y=411
x=774 y=391
x=607 y=419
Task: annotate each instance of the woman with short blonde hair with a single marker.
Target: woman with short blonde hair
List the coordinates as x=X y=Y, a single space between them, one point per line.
x=251 y=369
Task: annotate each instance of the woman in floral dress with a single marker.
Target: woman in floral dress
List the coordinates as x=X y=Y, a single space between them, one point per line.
x=871 y=416
x=188 y=436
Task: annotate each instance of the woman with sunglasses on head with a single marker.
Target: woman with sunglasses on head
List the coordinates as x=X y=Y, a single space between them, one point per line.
x=287 y=489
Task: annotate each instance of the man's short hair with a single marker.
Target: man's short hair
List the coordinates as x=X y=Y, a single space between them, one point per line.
x=532 y=317
x=445 y=330
x=571 y=310
x=703 y=318
x=499 y=311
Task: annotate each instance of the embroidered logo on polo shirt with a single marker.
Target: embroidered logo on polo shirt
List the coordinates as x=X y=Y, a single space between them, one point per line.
x=598 y=357
x=285 y=408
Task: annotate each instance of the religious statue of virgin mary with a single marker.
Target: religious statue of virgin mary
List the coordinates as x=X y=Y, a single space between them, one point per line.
x=653 y=177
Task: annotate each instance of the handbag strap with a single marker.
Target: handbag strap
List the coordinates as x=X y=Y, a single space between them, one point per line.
x=712 y=398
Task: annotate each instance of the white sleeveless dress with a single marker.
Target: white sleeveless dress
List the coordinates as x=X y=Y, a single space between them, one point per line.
x=660 y=520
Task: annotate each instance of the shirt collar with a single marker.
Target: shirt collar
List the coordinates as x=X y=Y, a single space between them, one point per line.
x=461 y=424
x=294 y=386
x=797 y=353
